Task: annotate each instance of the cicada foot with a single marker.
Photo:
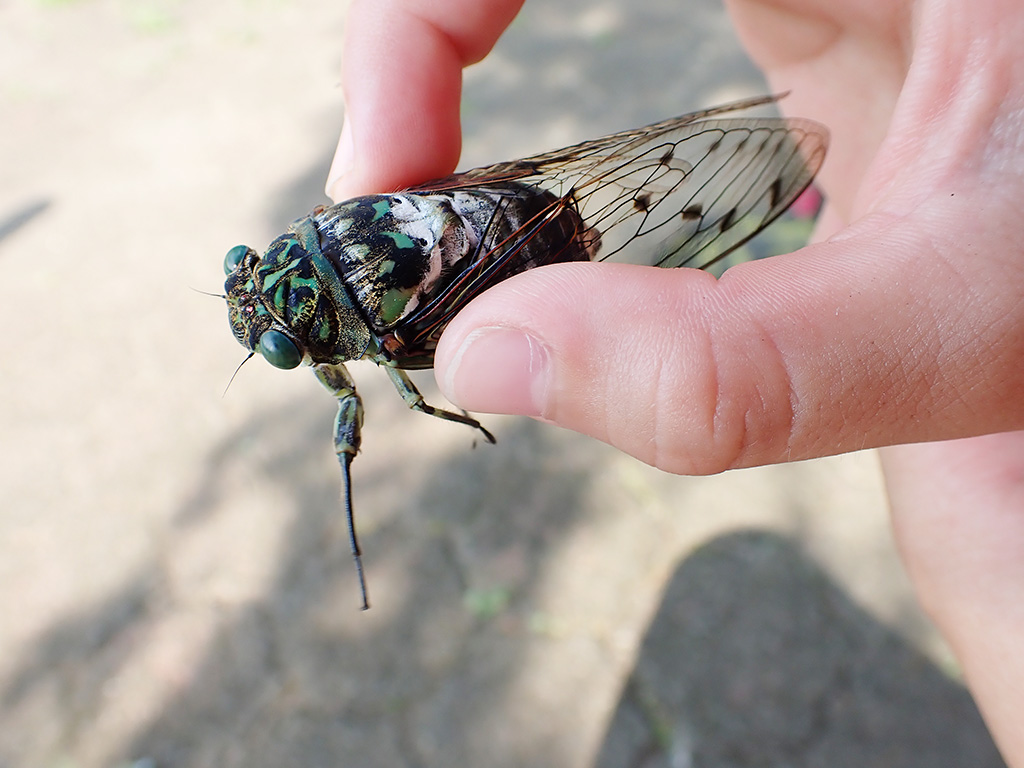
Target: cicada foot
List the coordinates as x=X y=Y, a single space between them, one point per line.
x=415 y=401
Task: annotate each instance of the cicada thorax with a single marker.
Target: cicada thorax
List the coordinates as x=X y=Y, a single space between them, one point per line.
x=411 y=261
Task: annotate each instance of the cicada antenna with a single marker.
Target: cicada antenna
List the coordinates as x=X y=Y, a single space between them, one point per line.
x=207 y=293
x=247 y=359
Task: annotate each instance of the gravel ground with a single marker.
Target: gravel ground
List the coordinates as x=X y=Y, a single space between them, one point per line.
x=175 y=586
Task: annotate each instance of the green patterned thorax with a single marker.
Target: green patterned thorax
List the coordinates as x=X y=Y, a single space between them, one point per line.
x=292 y=289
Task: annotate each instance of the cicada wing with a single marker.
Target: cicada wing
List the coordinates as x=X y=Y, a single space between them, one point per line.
x=692 y=196
x=682 y=192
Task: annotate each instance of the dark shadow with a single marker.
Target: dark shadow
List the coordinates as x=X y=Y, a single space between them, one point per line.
x=305 y=674
x=20 y=217
x=302 y=672
x=306 y=191
x=603 y=67
x=757 y=658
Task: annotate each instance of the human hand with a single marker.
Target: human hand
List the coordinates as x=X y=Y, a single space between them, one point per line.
x=905 y=326
x=924 y=101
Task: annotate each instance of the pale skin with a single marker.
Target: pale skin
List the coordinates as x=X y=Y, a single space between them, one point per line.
x=903 y=326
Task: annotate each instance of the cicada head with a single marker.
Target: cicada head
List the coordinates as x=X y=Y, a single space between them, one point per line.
x=290 y=310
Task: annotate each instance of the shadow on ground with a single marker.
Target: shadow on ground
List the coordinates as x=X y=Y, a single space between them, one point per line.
x=757 y=658
x=299 y=677
x=754 y=656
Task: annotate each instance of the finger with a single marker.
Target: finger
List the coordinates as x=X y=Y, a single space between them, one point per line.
x=958 y=514
x=780 y=33
x=402 y=80
x=866 y=341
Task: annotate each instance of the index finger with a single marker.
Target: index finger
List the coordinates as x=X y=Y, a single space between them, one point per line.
x=402 y=80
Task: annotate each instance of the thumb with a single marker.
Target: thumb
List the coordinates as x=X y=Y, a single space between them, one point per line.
x=826 y=350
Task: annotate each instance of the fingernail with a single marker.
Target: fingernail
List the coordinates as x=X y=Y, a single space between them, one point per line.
x=344 y=159
x=499 y=370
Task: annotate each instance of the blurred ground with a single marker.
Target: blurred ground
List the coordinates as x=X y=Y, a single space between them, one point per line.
x=175 y=583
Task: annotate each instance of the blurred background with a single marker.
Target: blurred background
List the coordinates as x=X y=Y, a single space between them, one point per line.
x=175 y=581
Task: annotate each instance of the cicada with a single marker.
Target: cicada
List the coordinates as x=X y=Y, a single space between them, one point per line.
x=379 y=277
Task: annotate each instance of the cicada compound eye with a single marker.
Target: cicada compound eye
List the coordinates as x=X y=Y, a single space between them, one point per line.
x=234 y=257
x=279 y=350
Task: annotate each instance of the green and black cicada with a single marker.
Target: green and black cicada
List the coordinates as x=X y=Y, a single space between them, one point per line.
x=379 y=277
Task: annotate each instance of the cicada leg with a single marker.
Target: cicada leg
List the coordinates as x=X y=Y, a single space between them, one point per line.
x=347 y=426
x=415 y=400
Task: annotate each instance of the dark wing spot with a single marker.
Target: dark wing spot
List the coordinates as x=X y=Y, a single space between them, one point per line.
x=667 y=157
x=642 y=202
x=728 y=220
x=691 y=212
x=775 y=192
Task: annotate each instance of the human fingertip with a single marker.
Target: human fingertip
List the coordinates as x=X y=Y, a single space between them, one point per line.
x=342 y=164
x=497 y=370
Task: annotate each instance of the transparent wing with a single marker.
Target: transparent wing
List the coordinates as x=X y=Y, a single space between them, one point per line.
x=682 y=192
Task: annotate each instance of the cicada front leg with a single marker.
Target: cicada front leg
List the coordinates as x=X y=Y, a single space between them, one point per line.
x=415 y=401
x=347 y=425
